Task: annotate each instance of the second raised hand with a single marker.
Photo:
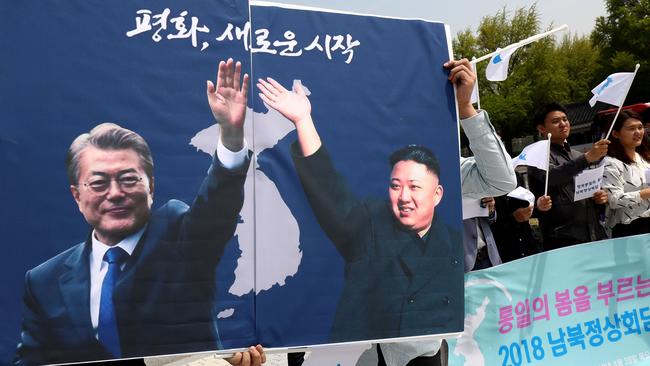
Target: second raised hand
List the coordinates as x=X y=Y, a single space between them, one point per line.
x=295 y=106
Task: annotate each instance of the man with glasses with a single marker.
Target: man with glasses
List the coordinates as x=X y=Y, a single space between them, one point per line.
x=142 y=283
x=567 y=222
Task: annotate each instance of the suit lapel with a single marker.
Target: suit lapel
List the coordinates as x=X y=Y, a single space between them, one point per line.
x=75 y=289
x=405 y=247
x=409 y=255
x=437 y=247
x=125 y=282
x=141 y=258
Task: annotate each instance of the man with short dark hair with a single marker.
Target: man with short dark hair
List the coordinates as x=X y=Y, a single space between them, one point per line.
x=567 y=222
x=418 y=154
x=142 y=283
x=404 y=266
x=400 y=258
x=414 y=207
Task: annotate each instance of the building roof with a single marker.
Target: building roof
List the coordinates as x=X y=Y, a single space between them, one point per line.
x=582 y=115
x=640 y=107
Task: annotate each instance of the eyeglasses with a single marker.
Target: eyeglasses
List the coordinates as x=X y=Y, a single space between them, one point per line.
x=100 y=185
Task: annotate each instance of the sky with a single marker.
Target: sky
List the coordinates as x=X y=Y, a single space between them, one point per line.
x=579 y=15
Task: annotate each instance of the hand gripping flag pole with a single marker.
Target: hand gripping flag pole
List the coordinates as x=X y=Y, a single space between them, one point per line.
x=475 y=95
x=548 y=162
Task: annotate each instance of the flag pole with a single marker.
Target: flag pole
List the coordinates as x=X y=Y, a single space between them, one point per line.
x=548 y=162
x=478 y=97
x=636 y=68
x=524 y=42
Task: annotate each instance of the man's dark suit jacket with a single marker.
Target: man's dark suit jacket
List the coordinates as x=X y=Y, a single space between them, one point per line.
x=164 y=297
x=567 y=222
x=395 y=283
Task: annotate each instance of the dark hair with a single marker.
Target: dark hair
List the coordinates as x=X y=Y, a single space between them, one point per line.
x=108 y=136
x=646 y=116
x=616 y=149
x=418 y=154
x=542 y=112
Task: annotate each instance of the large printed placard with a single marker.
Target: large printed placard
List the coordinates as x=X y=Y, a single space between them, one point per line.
x=366 y=103
x=581 y=305
x=277 y=278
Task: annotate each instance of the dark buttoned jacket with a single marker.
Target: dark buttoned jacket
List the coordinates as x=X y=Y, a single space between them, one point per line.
x=567 y=222
x=396 y=284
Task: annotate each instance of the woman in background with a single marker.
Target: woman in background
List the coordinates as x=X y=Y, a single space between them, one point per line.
x=627 y=168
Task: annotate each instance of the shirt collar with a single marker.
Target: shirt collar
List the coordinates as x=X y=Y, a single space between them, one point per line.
x=128 y=244
x=562 y=147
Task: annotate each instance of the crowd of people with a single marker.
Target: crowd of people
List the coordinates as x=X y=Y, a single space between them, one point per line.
x=620 y=208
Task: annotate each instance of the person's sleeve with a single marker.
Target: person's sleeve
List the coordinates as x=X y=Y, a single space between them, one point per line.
x=489 y=172
x=614 y=183
x=211 y=220
x=340 y=214
x=30 y=348
x=561 y=174
x=231 y=159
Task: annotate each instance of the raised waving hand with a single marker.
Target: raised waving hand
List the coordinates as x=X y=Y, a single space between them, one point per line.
x=295 y=106
x=227 y=102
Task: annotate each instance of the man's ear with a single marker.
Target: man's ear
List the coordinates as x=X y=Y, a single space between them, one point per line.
x=437 y=195
x=541 y=129
x=615 y=133
x=151 y=185
x=75 y=194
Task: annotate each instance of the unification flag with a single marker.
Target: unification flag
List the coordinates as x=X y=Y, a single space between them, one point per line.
x=613 y=90
x=497 y=69
x=535 y=154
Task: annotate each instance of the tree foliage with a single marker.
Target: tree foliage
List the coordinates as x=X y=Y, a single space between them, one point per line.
x=623 y=38
x=542 y=72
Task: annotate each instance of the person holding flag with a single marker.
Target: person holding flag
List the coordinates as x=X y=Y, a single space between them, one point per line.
x=512 y=231
x=625 y=179
x=568 y=222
